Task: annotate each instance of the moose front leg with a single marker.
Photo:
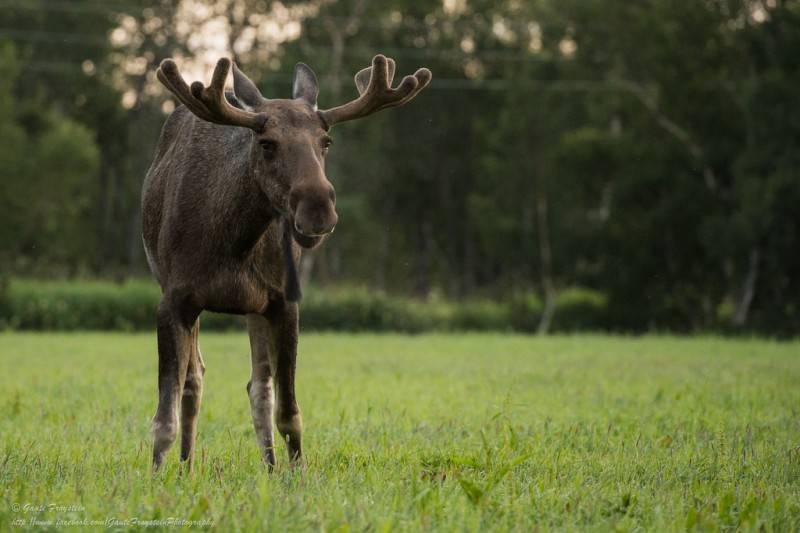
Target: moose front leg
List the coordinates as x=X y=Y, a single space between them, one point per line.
x=175 y=323
x=282 y=317
x=192 y=396
x=260 y=387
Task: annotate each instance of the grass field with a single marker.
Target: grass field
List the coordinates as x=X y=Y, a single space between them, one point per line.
x=434 y=432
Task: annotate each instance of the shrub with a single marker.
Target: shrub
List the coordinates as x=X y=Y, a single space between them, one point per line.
x=81 y=305
x=358 y=309
x=480 y=315
x=4 y=306
x=526 y=312
x=129 y=306
x=579 y=309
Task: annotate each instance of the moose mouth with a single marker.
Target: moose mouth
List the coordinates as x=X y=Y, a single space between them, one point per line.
x=306 y=241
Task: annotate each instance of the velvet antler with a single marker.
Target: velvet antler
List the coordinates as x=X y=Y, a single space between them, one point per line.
x=208 y=103
x=375 y=91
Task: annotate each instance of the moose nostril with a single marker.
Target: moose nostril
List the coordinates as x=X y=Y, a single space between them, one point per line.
x=333 y=195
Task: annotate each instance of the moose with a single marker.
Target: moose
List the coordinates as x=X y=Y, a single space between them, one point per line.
x=236 y=189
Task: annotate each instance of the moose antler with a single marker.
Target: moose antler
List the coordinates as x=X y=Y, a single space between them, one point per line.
x=208 y=103
x=375 y=91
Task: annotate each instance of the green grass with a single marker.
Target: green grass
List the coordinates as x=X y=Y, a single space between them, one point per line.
x=434 y=432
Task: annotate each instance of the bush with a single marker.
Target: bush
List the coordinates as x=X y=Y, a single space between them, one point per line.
x=579 y=309
x=480 y=315
x=5 y=310
x=131 y=306
x=359 y=309
x=526 y=312
x=81 y=305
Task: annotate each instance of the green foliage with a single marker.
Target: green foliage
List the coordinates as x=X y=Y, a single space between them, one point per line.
x=361 y=310
x=472 y=432
x=129 y=306
x=71 y=305
x=651 y=145
x=580 y=309
x=5 y=310
x=13 y=170
x=526 y=311
x=46 y=201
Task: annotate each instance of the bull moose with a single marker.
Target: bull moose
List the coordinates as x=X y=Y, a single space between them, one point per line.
x=236 y=189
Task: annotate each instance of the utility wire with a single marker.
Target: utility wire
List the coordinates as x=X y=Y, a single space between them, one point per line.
x=441 y=84
x=52 y=36
x=352 y=51
x=114 y=8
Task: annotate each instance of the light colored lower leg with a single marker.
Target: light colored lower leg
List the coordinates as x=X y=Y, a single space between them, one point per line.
x=261 y=388
x=190 y=410
x=290 y=427
x=190 y=402
x=261 y=404
x=165 y=431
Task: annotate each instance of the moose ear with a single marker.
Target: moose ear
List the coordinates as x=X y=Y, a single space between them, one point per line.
x=245 y=90
x=305 y=85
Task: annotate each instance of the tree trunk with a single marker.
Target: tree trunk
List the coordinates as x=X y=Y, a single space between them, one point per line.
x=383 y=261
x=135 y=245
x=545 y=256
x=423 y=262
x=739 y=318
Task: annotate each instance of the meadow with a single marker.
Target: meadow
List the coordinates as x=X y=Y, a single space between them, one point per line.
x=446 y=432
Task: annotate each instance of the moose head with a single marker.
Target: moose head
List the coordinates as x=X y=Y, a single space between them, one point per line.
x=291 y=135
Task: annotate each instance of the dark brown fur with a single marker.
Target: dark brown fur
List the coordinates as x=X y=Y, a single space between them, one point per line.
x=227 y=204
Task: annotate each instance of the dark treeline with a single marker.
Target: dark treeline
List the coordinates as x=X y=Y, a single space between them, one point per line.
x=646 y=150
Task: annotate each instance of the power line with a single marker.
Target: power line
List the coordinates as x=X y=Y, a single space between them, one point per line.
x=110 y=8
x=123 y=8
x=441 y=84
x=51 y=36
x=438 y=23
x=351 y=51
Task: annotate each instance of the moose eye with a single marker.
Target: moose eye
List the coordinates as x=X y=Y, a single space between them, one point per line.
x=269 y=146
x=326 y=144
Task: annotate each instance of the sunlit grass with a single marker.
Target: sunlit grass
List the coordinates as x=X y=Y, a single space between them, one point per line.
x=450 y=432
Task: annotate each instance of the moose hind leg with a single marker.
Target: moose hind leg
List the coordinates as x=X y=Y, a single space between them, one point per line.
x=282 y=317
x=192 y=396
x=260 y=387
x=175 y=324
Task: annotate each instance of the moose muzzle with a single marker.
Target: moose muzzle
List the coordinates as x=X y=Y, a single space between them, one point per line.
x=313 y=207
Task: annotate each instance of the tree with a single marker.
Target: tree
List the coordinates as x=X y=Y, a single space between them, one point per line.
x=45 y=204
